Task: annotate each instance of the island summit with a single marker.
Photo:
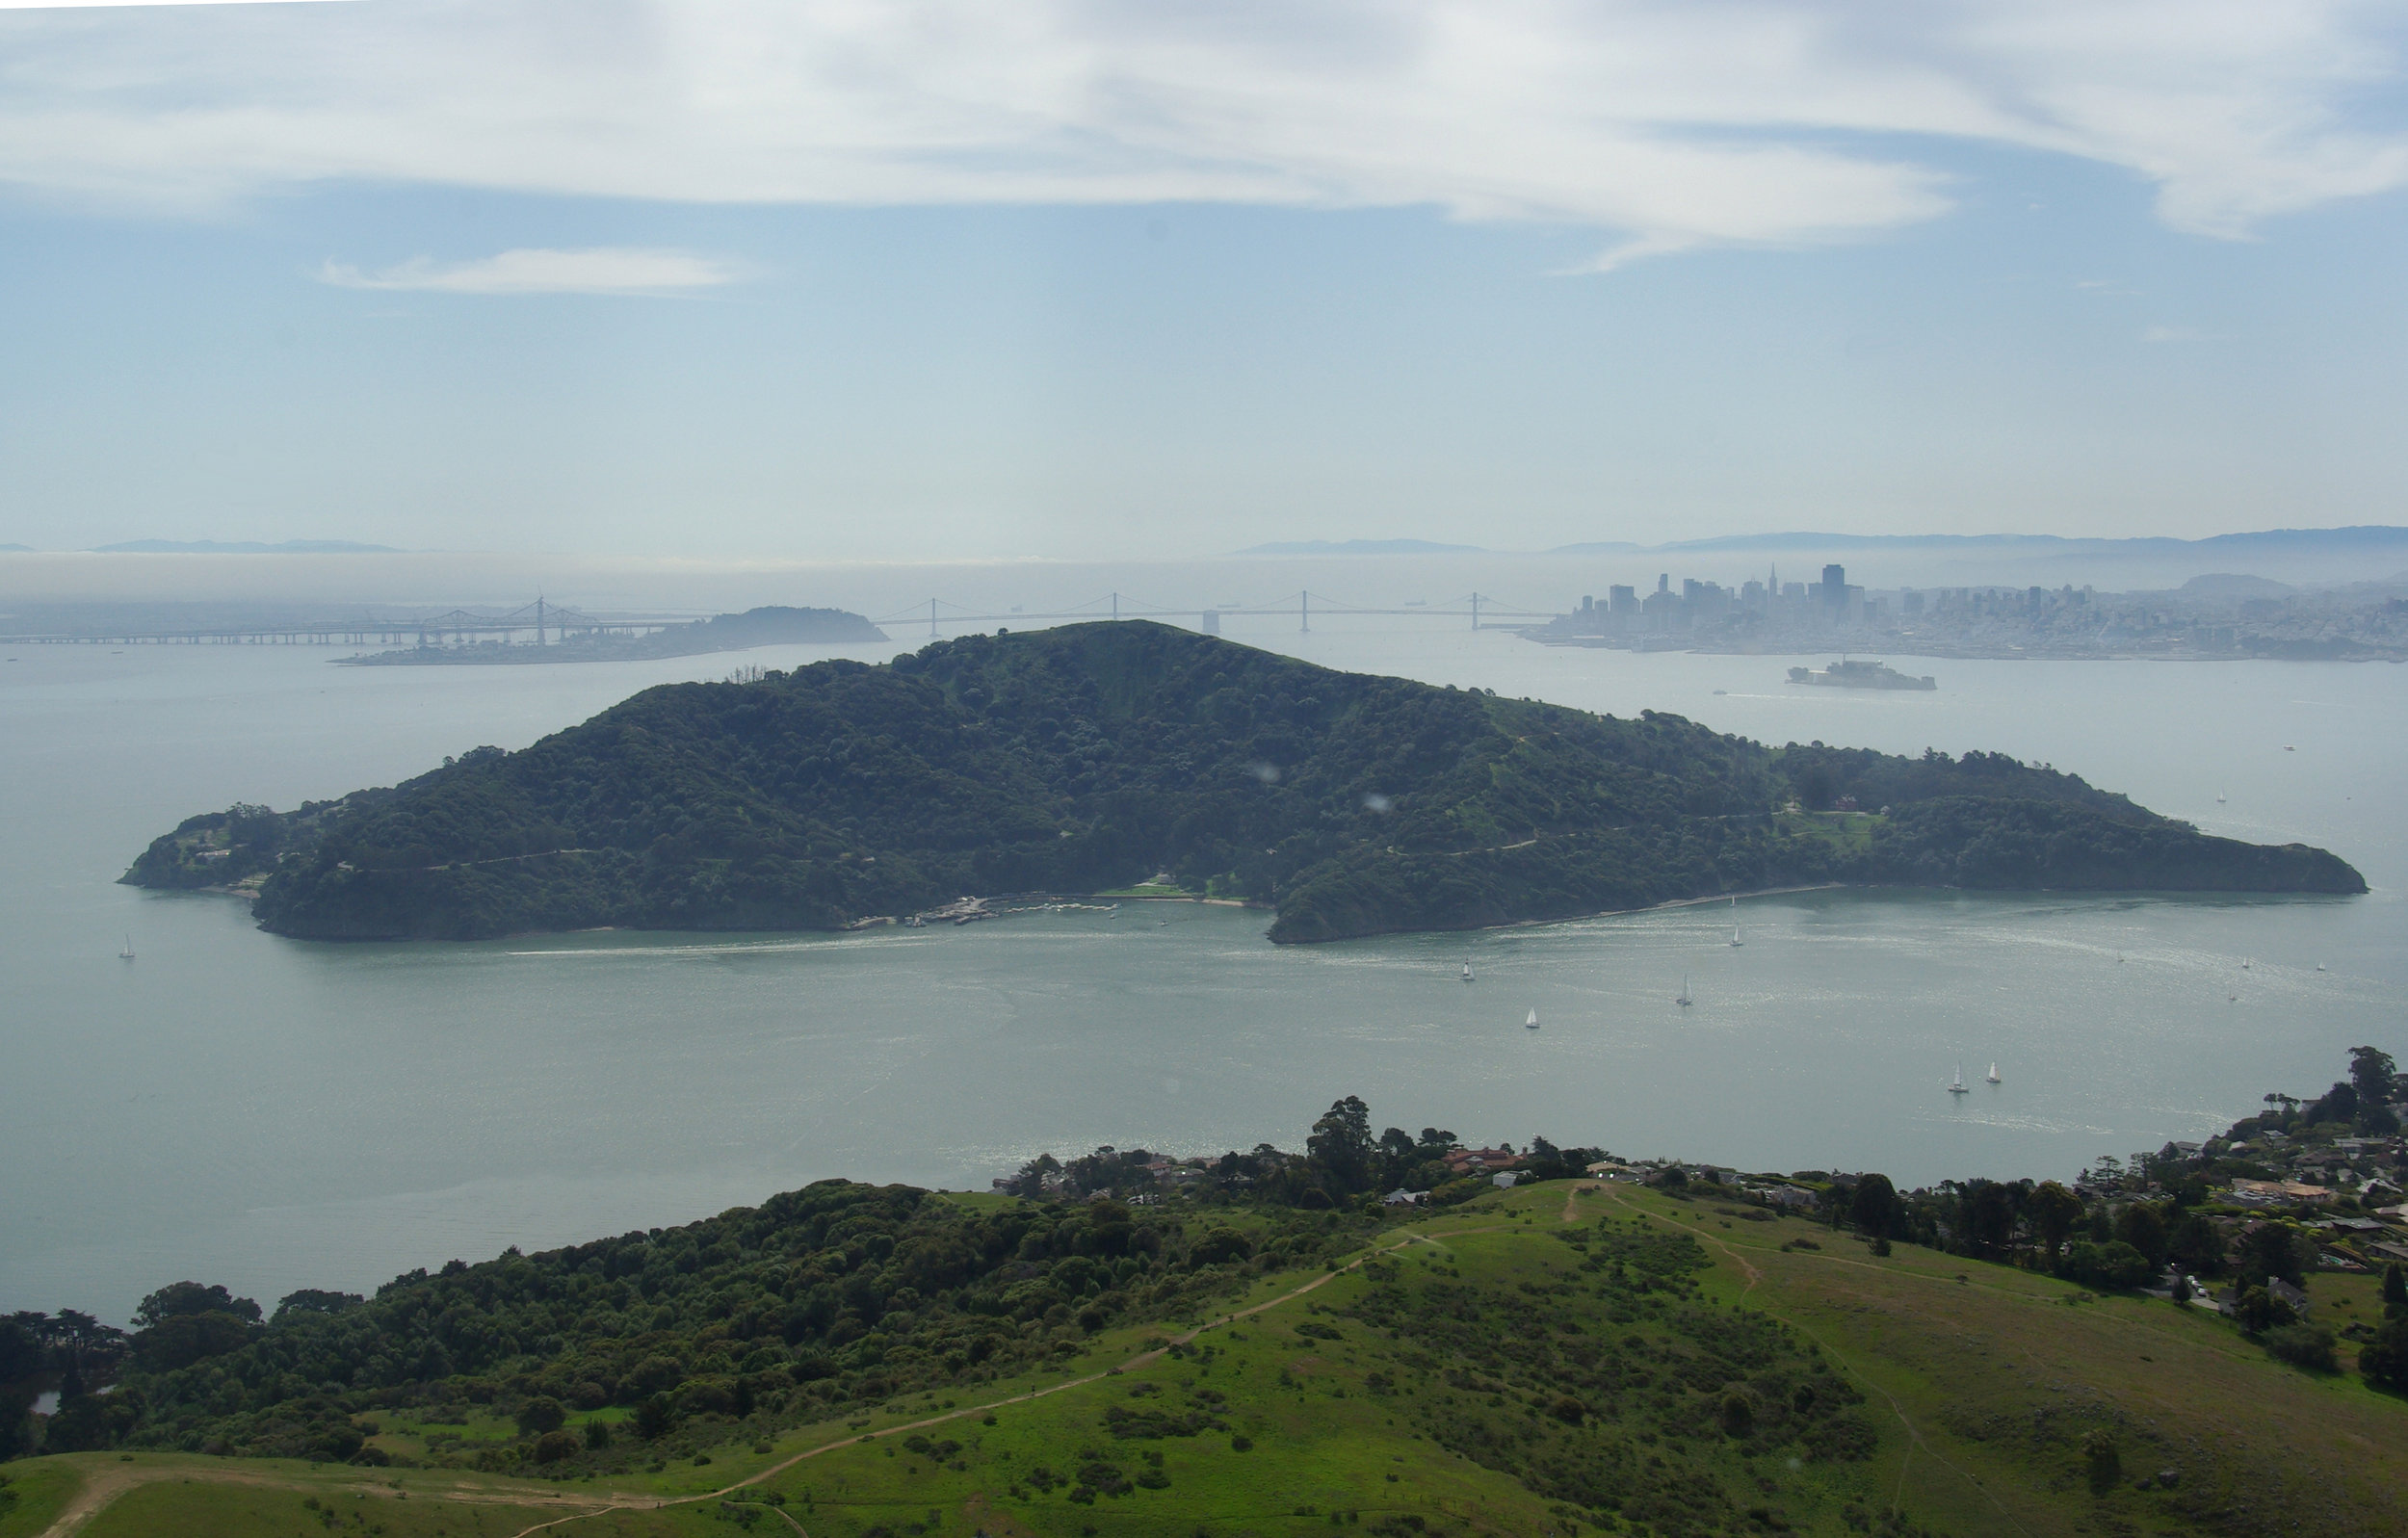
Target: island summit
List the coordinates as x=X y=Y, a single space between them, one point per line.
x=1087 y=758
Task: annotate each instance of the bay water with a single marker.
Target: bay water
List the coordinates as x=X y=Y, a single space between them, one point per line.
x=236 y=1108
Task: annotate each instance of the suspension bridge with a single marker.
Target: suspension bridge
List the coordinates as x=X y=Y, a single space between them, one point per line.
x=1482 y=611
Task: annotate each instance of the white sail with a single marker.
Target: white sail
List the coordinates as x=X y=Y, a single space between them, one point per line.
x=127 y=952
x=1993 y=1075
x=1533 y=1020
x=1683 y=998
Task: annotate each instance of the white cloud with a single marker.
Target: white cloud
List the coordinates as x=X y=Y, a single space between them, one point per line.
x=602 y=270
x=1662 y=124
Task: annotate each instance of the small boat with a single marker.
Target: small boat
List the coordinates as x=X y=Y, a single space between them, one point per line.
x=1956 y=1085
x=1467 y=971
x=125 y=952
x=1993 y=1075
x=2319 y=966
x=1736 y=941
x=2219 y=797
x=2244 y=966
x=1532 y=1024
x=1684 y=999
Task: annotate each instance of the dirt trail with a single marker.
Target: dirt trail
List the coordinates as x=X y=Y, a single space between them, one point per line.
x=103 y=1484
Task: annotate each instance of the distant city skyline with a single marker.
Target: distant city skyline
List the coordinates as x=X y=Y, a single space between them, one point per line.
x=1114 y=283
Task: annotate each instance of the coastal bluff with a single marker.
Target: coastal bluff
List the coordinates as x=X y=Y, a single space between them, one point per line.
x=1092 y=757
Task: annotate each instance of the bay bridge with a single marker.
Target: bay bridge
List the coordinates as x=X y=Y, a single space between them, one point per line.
x=1481 y=609
x=544 y=624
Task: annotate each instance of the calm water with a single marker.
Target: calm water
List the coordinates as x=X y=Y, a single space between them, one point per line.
x=238 y=1107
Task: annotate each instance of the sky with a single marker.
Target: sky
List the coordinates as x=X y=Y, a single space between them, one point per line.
x=1074 y=279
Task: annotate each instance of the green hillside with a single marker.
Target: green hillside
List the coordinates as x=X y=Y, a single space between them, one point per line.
x=1563 y=1358
x=1092 y=757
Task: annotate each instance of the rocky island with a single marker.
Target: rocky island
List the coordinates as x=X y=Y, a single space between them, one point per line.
x=1083 y=759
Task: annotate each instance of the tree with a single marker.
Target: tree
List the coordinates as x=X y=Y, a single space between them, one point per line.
x=2055 y=1211
x=1989 y=1215
x=2196 y=1246
x=178 y=1299
x=2112 y=1266
x=1341 y=1146
x=1874 y=1206
x=2265 y=1251
x=2260 y=1311
x=654 y=1418
x=2372 y=1074
x=2383 y=1362
x=2142 y=1226
x=541 y=1415
x=2395 y=1292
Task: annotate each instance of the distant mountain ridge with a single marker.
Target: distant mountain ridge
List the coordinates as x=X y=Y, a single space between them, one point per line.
x=2352 y=539
x=242 y=547
x=1362 y=547
x=1089 y=757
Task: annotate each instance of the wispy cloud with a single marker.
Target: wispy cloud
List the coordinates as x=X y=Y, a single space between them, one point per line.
x=1664 y=126
x=600 y=270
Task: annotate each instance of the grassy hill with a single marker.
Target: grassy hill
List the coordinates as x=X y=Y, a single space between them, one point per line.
x=1086 y=758
x=1563 y=1358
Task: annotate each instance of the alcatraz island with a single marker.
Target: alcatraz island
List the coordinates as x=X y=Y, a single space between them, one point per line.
x=1087 y=758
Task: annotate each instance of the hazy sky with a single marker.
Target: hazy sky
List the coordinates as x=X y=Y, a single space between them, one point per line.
x=738 y=278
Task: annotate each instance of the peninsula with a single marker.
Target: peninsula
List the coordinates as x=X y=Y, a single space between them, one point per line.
x=1086 y=758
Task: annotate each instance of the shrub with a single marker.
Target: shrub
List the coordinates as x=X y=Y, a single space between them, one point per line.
x=2112 y=1266
x=2303 y=1345
x=554 y=1446
x=540 y=1416
x=2383 y=1362
x=1220 y=1244
x=2100 y=1462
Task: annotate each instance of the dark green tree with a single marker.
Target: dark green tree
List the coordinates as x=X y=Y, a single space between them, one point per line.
x=541 y=1415
x=2383 y=1361
x=180 y=1299
x=2269 y=1249
x=1341 y=1146
x=2372 y=1074
x=2142 y=1226
x=2053 y=1210
x=1874 y=1207
x=2395 y=1292
x=2196 y=1246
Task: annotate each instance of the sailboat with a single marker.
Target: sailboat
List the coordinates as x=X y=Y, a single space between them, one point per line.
x=1956 y=1085
x=1683 y=1000
x=2219 y=797
x=1736 y=941
x=1467 y=971
x=1993 y=1075
x=127 y=953
x=1532 y=1024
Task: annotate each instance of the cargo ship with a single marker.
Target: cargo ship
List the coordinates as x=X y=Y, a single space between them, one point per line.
x=1861 y=675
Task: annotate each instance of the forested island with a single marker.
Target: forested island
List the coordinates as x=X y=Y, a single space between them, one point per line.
x=1083 y=759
